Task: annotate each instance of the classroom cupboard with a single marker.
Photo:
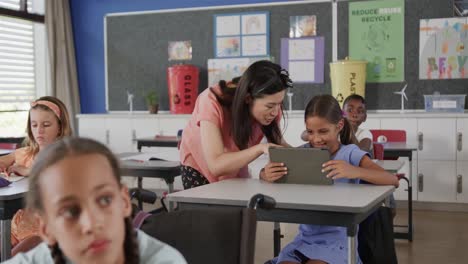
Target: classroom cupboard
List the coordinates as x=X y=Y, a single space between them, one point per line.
x=439 y=167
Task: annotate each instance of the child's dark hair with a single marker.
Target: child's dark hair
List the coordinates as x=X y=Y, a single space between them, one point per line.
x=69 y=147
x=356 y=97
x=326 y=106
x=260 y=79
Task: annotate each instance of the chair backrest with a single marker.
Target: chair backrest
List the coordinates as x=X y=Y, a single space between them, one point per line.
x=378 y=151
x=209 y=235
x=391 y=134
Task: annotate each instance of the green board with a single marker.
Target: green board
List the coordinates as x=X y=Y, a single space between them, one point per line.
x=376 y=34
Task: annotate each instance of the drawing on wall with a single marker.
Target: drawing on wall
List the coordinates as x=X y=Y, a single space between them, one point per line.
x=241 y=34
x=228 y=47
x=227 y=25
x=303 y=58
x=376 y=35
x=302 y=26
x=226 y=69
x=254 y=45
x=180 y=50
x=443 y=52
x=254 y=24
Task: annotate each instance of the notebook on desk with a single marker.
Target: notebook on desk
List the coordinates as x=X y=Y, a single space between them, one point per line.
x=12 y=177
x=304 y=165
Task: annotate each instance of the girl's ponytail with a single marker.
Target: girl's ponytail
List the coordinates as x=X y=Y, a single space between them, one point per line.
x=57 y=254
x=347 y=134
x=132 y=253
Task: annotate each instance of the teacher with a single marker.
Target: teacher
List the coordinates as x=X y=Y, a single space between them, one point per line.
x=228 y=123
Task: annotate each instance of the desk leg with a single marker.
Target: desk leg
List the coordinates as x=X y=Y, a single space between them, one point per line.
x=276 y=239
x=410 y=197
x=170 y=186
x=352 y=235
x=5 y=231
x=140 y=188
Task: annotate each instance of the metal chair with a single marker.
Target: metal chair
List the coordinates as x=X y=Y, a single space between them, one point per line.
x=210 y=235
x=379 y=154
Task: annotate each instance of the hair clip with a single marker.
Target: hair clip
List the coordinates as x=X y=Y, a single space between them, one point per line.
x=285 y=76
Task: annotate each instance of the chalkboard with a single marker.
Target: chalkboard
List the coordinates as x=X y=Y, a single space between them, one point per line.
x=137 y=56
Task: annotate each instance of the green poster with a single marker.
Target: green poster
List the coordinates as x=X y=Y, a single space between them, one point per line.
x=376 y=34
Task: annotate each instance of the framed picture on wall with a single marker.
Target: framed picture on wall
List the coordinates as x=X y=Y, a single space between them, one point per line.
x=241 y=35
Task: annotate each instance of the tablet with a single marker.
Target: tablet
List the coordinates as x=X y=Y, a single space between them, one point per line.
x=304 y=165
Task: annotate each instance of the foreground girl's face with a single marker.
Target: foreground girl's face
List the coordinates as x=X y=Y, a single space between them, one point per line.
x=84 y=209
x=322 y=134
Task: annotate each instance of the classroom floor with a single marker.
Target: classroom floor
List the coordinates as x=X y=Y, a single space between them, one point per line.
x=440 y=237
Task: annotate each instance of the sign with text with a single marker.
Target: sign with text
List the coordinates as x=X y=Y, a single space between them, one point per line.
x=376 y=35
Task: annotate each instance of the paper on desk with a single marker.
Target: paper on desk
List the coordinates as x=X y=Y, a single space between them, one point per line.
x=140 y=156
x=12 y=178
x=170 y=155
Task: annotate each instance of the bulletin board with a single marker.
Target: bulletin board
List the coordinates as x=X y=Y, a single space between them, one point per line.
x=136 y=50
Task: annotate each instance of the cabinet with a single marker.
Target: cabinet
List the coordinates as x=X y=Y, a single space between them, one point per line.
x=462 y=160
x=436 y=181
x=436 y=139
x=440 y=165
x=437 y=159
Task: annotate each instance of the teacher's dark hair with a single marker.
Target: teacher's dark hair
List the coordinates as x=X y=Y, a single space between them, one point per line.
x=262 y=78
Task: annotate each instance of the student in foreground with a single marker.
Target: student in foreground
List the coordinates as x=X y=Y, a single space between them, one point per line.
x=327 y=128
x=84 y=210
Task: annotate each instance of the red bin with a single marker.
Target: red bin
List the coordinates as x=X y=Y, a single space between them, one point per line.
x=182 y=82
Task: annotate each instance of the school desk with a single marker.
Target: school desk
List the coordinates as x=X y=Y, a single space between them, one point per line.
x=344 y=205
x=11 y=200
x=161 y=141
x=396 y=150
x=137 y=167
x=5 y=151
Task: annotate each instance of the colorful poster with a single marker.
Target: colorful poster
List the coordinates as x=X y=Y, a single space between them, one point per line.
x=376 y=34
x=443 y=48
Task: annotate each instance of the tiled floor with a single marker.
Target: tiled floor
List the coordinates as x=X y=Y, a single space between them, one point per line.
x=440 y=237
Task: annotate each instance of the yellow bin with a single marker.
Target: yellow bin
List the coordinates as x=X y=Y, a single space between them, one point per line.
x=347 y=77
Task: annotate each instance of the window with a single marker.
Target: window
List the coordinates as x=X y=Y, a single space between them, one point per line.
x=20 y=59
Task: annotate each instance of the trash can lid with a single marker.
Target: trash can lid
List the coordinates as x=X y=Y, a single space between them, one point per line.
x=349 y=61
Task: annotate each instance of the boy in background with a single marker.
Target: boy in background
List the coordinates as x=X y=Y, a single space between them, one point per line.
x=354 y=109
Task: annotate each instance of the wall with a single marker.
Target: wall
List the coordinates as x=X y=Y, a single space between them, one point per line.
x=88 y=30
x=88 y=20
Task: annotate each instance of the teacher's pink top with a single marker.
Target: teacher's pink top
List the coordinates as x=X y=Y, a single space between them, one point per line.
x=207 y=108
